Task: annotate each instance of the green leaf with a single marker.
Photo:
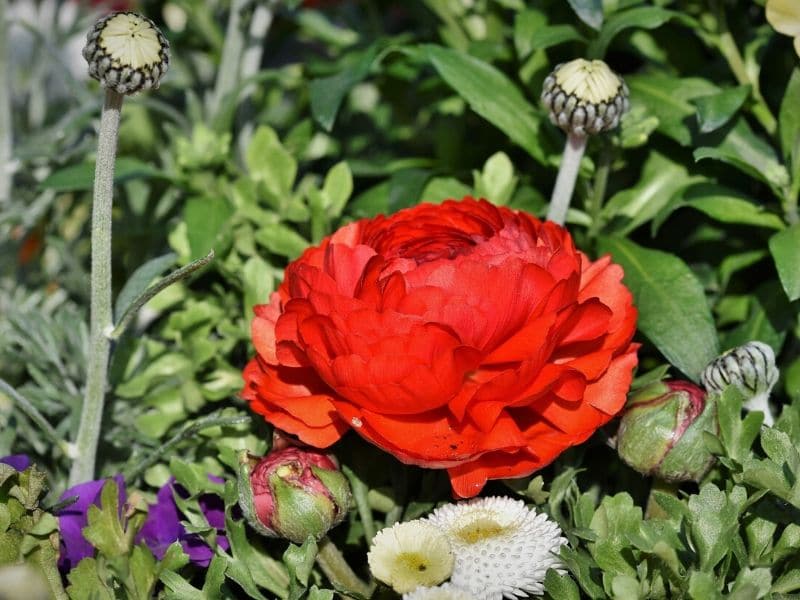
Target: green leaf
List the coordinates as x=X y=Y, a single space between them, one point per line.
x=179 y=588
x=724 y=205
x=497 y=181
x=442 y=188
x=642 y=17
x=314 y=593
x=715 y=516
x=215 y=577
x=299 y=560
x=789 y=122
x=81 y=177
x=751 y=584
x=86 y=584
x=142 y=574
x=140 y=280
x=660 y=181
x=785 y=249
x=561 y=586
x=740 y=147
x=703 y=586
x=714 y=110
x=589 y=11
x=327 y=93
x=490 y=94
x=259 y=282
x=281 y=240
x=673 y=312
x=269 y=162
x=769 y=319
x=105 y=531
x=206 y=221
x=668 y=98
x=337 y=188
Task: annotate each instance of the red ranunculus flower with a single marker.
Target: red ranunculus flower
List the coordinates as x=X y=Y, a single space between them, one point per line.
x=462 y=336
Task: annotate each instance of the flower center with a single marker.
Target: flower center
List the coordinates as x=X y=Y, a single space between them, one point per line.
x=414 y=562
x=480 y=529
x=130 y=41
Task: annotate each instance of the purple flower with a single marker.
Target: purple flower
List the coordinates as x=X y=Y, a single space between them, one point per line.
x=19 y=462
x=163 y=525
x=73 y=518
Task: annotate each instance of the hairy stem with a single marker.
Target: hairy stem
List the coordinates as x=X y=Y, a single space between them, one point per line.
x=100 y=315
x=565 y=182
x=338 y=572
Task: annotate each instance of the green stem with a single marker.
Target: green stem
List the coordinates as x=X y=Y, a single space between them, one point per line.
x=727 y=46
x=6 y=131
x=565 y=181
x=361 y=498
x=189 y=430
x=338 y=572
x=654 y=510
x=34 y=415
x=599 y=192
x=100 y=316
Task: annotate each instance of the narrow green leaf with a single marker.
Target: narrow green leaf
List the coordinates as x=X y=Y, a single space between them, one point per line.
x=668 y=99
x=727 y=206
x=589 y=11
x=81 y=177
x=269 y=162
x=769 y=319
x=739 y=146
x=327 y=93
x=280 y=239
x=673 y=312
x=642 y=17
x=138 y=282
x=789 y=121
x=785 y=249
x=714 y=110
x=490 y=94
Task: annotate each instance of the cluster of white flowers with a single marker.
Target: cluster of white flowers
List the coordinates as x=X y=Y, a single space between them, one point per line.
x=488 y=548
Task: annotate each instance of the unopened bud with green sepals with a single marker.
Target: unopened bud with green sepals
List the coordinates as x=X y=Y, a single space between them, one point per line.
x=661 y=431
x=293 y=493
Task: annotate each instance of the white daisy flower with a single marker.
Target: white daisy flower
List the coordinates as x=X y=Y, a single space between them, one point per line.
x=502 y=548
x=410 y=555
x=446 y=591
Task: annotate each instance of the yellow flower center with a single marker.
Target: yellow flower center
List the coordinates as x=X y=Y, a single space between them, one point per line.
x=130 y=41
x=413 y=562
x=480 y=528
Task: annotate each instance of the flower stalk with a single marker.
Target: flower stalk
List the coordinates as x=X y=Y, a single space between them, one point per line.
x=567 y=175
x=100 y=311
x=332 y=563
x=584 y=98
x=6 y=132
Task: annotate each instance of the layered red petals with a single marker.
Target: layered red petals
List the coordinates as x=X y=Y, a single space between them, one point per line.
x=461 y=336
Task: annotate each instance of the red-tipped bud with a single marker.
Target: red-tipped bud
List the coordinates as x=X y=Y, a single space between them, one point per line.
x=661 y=432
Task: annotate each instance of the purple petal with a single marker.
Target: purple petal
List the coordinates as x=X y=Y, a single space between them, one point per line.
x=163 y=525
x=19 y=462
x=73 y=518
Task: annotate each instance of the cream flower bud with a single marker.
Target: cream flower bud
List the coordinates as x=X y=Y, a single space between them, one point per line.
x=751 y=369
x=126 y=53
x=585 y=97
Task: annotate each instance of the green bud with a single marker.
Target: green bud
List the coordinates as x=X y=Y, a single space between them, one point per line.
x=661 y=432
x=293 y=493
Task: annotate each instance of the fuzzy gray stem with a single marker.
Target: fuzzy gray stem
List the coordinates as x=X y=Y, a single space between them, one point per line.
x=760 y=402
x=6 y=131
x=100 y=317
x=565 y=182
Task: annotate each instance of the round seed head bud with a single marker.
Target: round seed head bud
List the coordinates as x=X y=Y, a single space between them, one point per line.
x=585 y=97
x=126 y=53
x=661 y=431
x=751 y=369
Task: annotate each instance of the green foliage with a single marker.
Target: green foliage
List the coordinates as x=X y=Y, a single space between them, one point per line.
x=263 y=141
